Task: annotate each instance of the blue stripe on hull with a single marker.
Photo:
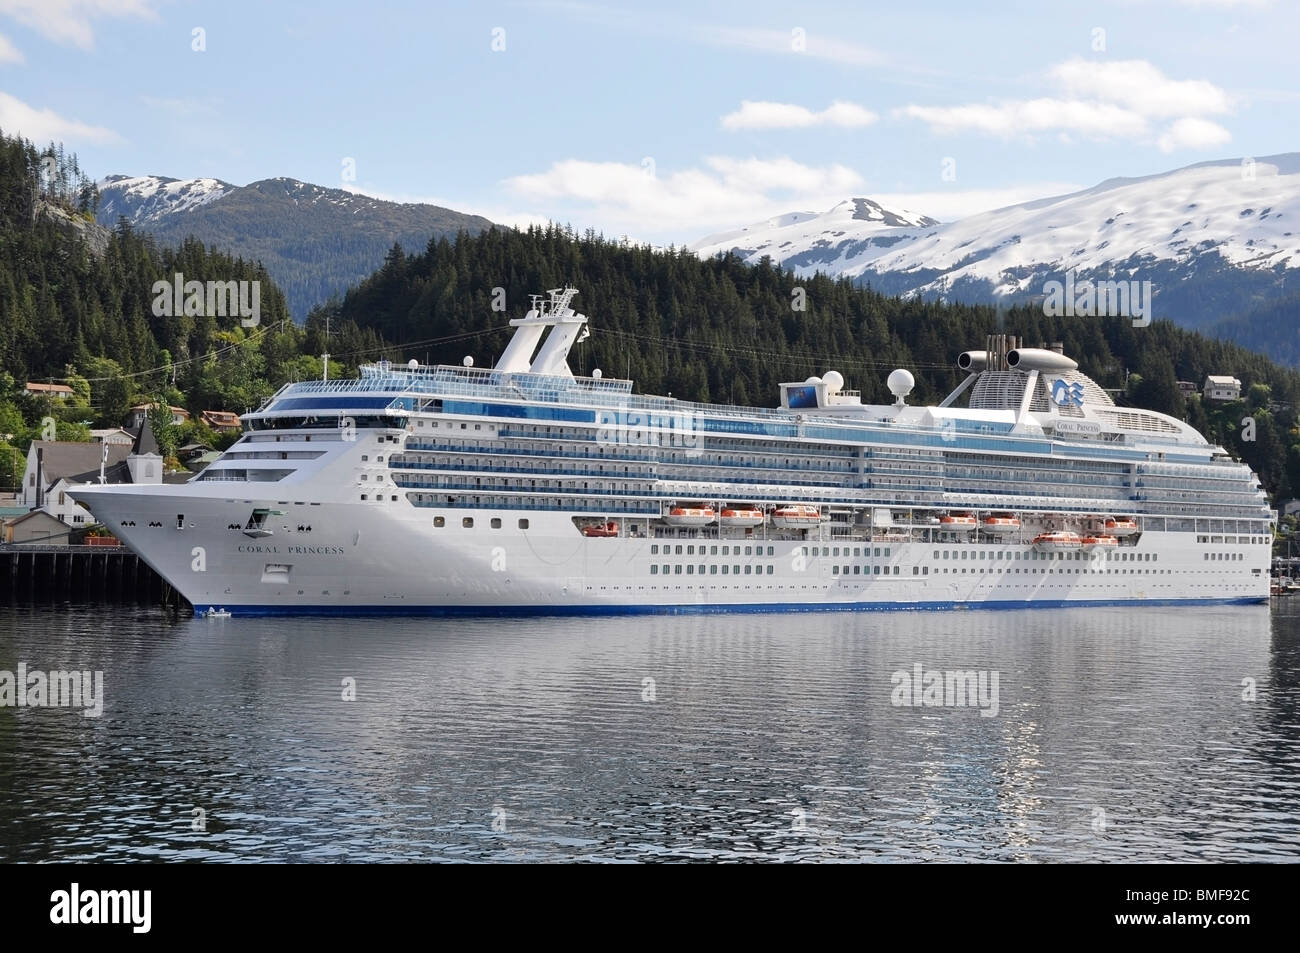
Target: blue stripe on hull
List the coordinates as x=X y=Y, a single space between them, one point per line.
x=515 y=611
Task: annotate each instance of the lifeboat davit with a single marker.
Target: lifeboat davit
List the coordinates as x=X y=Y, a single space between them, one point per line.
x=796 y=516
x=1000 y=525
x=1057 y=542
x=601 y=529
x=1121 y=527
x=741 y=516
x=691 y=515
x=960 y=522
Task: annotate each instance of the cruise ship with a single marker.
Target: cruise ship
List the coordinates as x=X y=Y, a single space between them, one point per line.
x=525 y=488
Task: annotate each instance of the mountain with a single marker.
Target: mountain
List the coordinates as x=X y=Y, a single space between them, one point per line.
x=1217 y=240
x=315 y=242
x=830 y=242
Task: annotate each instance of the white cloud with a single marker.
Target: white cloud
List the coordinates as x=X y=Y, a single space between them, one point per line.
x=1139 y=86
x=1193 y=133
x=1100 y=100
x=622 y=198
x=8 y=52
x=44 y=125
x=766 y=115
x=1015 y=118
x=68 y=22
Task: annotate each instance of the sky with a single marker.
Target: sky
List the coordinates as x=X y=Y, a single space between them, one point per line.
x=662 y=121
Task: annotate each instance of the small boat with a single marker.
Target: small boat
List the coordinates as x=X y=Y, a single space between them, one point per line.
x=796 y=516
x=601 y=529
x=693 y=515
x=1057 y=542
x=1091 y=543
x=741 y=516
x=211 y=613
x=1000 y=525
x=961 y=522
x=1121 y=527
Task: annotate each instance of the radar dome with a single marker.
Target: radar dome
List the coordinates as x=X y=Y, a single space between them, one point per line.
x=813 y=380
x=469 y=360
x=900 y=383
x=834 y=380
x=597 y=374
x=412 y=363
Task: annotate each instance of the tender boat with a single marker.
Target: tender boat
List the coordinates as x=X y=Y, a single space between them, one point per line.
x=601 y=529
x=1121 y=527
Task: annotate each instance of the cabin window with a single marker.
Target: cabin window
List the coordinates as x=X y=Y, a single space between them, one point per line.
x=467 y=522
x=438 y=521
x=523 y=524
x=654 y=549
x=496 y=520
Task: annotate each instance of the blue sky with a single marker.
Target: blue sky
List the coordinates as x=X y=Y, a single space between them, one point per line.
x=663 y=121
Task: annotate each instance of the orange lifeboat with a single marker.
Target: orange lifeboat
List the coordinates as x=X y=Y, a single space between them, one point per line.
x=1121 y=527
x=1099 y=542
x=691 y=515
x=796 y=516
x=1057 y=542
x=960 y=522
x=1000 y=525
x=741 y=516
x=601 y=529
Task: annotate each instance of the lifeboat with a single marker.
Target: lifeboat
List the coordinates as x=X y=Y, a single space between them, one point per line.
x=796 y=516
x=697 y=515
x=1057 y=542
x=601 y=529
x=1121 y=527
x=1099 y=542
x=960 y=522
x=741 y=516
x=1000 y=525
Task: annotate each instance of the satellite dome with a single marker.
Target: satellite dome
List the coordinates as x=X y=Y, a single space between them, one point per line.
x=412 y=363
x=834 y=380
x=900 y=383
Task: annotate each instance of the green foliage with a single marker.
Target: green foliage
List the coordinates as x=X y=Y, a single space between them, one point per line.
x=12 y=464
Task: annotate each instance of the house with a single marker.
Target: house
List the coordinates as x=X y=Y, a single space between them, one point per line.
x=1187 y=388
x=36 y=527
x=58 y=391
x=1291 y=508
x=221 y=421
x=117 y=436
x=1218 y=387
x=140 y=413
x=55 y=465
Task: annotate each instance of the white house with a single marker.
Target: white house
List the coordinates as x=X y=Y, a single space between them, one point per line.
x=140 y=413
x=57 y=391
x=53 y=466
x=118 y=436
x=1219 y=387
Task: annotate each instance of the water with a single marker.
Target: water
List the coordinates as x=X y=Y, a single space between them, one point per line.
x=1120 y=735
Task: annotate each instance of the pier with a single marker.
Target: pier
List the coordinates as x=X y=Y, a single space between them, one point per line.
x=35 y=574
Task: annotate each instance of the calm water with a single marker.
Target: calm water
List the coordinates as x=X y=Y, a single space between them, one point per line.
x=1120 y=735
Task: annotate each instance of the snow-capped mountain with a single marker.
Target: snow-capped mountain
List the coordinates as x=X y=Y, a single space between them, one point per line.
x=142 y=199
x=315 y=242
x=830 y=241
x=1215 y=239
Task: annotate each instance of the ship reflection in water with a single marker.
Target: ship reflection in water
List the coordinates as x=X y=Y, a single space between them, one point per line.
x=1098 y=735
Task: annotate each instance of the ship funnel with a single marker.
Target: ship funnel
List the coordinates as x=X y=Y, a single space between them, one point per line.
x=1039 y=359
x=973 y=360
